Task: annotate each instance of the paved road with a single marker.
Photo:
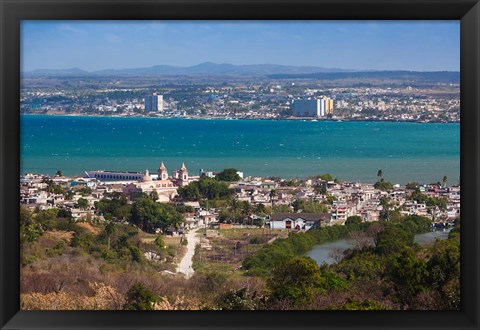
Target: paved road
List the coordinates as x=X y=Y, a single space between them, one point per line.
x=185 y=265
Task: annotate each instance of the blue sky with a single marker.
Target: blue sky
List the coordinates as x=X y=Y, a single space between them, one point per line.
x=358 y=45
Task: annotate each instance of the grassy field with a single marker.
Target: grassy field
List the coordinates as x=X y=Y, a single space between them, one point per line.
x=169 y=240
x=226 y=252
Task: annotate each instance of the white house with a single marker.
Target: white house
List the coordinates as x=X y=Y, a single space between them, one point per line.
x=298 y=221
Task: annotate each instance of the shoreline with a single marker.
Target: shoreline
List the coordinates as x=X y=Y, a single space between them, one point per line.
x=309 y=119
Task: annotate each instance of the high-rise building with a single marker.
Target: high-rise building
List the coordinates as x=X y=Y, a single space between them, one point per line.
x=329 y=106
x=306 y=108
x=154 y=103
x=323 y=107
x=312 y=108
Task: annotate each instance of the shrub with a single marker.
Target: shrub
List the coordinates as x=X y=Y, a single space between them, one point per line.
x=298 y=281
x=140 y=298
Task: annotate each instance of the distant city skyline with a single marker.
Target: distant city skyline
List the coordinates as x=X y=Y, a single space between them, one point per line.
x=352 y=45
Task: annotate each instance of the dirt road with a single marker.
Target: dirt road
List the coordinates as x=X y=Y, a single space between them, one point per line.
x=185 y=265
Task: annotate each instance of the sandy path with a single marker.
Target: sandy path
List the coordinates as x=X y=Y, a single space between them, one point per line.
x=185 y=265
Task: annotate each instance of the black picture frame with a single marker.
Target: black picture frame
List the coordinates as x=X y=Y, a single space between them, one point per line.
x=12 y=11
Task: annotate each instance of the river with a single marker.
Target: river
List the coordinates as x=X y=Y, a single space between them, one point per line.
x=326 y=253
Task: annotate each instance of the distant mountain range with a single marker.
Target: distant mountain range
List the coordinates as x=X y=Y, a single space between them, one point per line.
x=268 y=70
x=207 y=68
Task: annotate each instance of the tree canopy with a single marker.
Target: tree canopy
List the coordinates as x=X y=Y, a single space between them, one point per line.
x=149 y=215
x=140 y=298
x=228 y=174
x=383 y=185
x=205 y=188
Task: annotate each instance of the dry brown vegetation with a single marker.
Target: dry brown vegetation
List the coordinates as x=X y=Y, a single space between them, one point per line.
x=88 y=227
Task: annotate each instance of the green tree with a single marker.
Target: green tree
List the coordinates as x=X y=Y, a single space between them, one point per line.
x=325 y=177
x=408 y=274
x=365 y=305
x=353 y=220
x=444 y=271
x=298 y=204
x=206 y=188
x=297 y=280
x=140 y=298
x=272 y=194
x=64 y=213
x=212 y=189
x=85 y=191
x=136 y=254
x=416 y=224
x=237 y=300
x=159 y=242
x=108 y=231
x=82 y=203
x=260 y=209
x=29 y=229
x=153 y=195
x=380 y=173
x=114 y=206
x=393 y=239
x=182 y=208
x=59 y=173
x=308 y=206
x=189 y=192
x=47 y=219
x=314 y=207
x=445 y=180
x=383 y=185
x=56 y=189
x=228 y=174
x=412 y=185
x=229 y=215
x=149 y=215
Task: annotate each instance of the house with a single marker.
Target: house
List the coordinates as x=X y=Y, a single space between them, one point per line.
x=190 y=220
x=298 y=221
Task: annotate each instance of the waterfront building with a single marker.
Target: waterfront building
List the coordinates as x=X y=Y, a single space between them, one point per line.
x=154 y=103
x=328 y=106
x=306 y=108
x=312 y=108
x=114 y=175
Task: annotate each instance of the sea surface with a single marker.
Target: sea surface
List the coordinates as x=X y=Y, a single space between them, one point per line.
x=355 y=151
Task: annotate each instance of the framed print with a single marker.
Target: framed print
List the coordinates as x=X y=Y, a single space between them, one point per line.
x=239 y=164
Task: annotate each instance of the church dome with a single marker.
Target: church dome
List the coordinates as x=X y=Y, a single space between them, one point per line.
x=147 y=176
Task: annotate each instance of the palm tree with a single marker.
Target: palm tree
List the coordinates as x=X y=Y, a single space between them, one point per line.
x=109 y=230
x=380 y=173
x=273 y=193
x=445 y=180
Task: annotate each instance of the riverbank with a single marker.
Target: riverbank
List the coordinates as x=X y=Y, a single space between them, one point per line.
x=280 y=251
x=331 y=252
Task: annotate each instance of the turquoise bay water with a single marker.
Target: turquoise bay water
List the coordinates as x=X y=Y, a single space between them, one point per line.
x=350 y=150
